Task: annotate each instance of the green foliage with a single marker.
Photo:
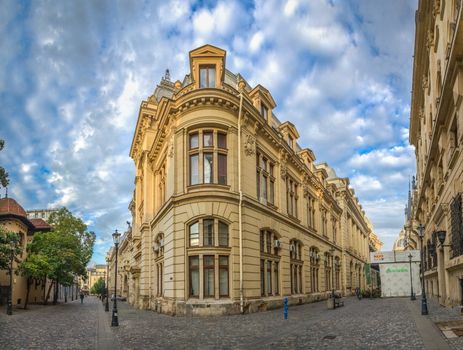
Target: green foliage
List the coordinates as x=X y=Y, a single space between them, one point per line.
x=99 y=287
x=62 y=253
x=4 y=181
x=9 y=247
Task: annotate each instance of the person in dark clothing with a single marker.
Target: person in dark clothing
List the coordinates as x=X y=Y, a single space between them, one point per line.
x=81 y=297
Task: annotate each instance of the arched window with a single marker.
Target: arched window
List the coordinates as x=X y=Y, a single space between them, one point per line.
x=314 y=268
x=211 y=234
x=295 y=254
x=269 y=263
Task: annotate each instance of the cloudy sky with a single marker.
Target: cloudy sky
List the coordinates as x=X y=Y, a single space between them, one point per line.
x=73 y=74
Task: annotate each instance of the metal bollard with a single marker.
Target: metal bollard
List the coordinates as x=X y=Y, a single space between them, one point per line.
x=285 y=308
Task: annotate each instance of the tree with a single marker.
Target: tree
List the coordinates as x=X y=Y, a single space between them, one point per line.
x=60 y=254
x=98 y=287
x=4 y=181
x=35 y=267
x=9 y=247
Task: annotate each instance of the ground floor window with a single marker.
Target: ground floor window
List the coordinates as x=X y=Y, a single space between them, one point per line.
x=205 y=270
x=194 y=276
x=159 y=271
x=296 y=277
x=269 y=281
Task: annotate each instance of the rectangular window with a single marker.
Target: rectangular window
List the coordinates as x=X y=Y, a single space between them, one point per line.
x=269 y=277
x=222 y=169
x=258 y=184
x=223 y=276
x=194 y=169
x=208 y=232
x=262 y=277
x=264 y=111
x=208 y=139
x=194 y=234
x=262 y=241
x=222 y=140
x=269 y=242
x=223 y=234
x=275 y=277
x=208 y=275
x=206 y=76
x=194 y=276
x=194 y=140
x=264 y=188
x=271 y=197
x=208 y=168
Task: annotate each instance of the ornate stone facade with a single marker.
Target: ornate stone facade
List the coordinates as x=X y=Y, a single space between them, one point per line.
x=436 y=132
x=230 y=214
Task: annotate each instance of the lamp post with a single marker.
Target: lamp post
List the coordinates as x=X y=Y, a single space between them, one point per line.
x=114 y=319
x=424 y=303
x=412 y=295
x=106 y=307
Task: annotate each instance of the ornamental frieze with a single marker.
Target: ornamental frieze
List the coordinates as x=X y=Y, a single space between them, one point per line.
x=250 y=145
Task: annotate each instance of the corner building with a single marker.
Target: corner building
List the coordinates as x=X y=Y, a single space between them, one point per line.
x=230 y=214
x=436 y=131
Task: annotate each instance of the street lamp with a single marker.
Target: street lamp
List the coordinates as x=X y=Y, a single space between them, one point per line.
x=115 y=320
x=424 y=303
x=106 y=307
x=412 y=295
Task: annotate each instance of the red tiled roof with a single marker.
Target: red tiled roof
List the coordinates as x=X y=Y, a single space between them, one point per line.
x=10 y=206
x=40 y=224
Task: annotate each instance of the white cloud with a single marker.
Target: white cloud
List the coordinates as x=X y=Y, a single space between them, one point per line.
x=70 y=96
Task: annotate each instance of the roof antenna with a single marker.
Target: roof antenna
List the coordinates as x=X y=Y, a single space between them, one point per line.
x=167 y=75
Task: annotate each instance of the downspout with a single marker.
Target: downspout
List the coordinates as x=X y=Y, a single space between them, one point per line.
x=240 y=222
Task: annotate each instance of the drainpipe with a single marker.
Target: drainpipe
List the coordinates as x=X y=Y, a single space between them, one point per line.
x=240 y=223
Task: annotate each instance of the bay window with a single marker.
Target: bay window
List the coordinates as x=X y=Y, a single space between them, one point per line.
x=207 y=154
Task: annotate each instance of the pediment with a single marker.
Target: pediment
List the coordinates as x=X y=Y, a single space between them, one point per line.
x=263 y=93
x=207 y=51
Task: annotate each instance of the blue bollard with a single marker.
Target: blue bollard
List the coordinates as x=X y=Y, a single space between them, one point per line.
x=285 y=308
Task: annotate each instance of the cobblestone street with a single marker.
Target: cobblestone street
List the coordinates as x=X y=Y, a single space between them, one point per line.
x=365 y=324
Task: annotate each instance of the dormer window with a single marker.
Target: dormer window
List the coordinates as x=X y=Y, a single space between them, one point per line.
x=290 y=141
x=264 y=111
x=207 y=76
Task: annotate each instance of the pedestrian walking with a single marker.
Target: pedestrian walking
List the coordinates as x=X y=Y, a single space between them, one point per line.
x=81 y=297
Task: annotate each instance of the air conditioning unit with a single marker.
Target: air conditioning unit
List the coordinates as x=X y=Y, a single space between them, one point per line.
x=277 y=244
x=292 y=248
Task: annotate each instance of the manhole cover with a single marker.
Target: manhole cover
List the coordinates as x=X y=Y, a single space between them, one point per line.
x=329 y=336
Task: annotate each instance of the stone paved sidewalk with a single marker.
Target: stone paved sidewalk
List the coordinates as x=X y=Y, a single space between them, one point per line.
x=366 y=324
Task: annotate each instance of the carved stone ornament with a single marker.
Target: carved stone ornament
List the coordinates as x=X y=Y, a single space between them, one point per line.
x=425 y=81
x=305 y=187
x=250 y=145
x=171 y=148
x=283 y=170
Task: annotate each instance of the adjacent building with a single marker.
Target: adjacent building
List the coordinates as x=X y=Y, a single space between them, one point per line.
x=43 y=214
x=230 y=214
x=436 y=131
x=14 y=218
x=94 y=273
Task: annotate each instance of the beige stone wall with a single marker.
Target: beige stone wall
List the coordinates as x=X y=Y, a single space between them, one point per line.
x=20 y=283
x=165 y=204
x=436 y=132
